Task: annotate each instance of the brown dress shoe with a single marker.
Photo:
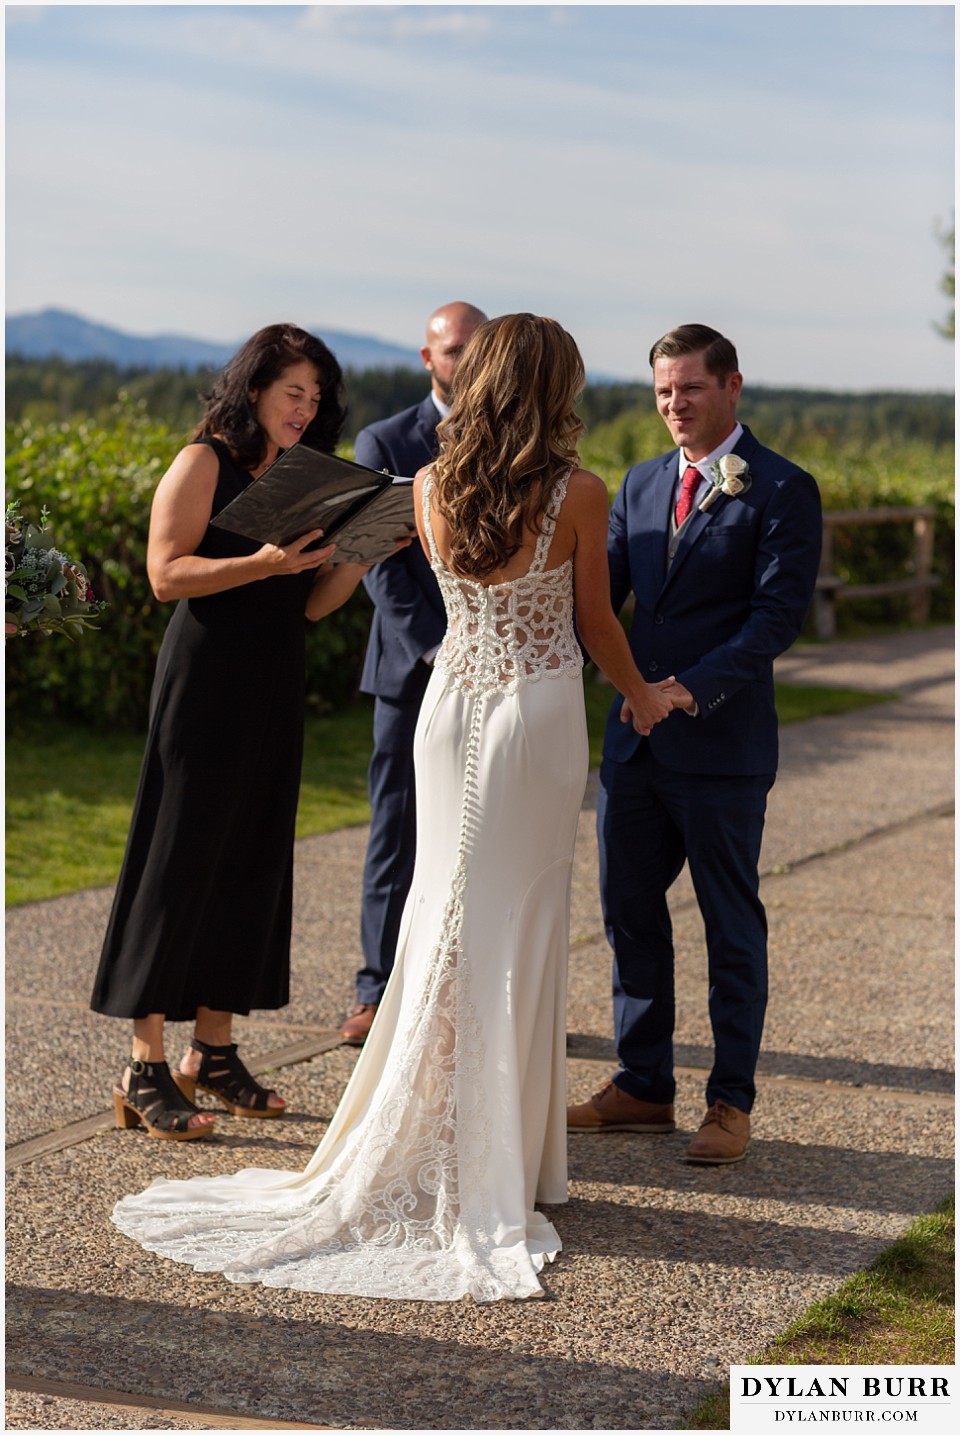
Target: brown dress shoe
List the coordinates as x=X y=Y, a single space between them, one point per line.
x=356 y=1028
x=723 y=1136
x=612 y=1109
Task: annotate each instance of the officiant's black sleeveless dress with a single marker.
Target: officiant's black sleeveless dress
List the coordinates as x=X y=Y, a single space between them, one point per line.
x=202 y=911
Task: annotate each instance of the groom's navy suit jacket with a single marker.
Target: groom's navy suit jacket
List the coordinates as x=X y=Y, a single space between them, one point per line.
x=409 y=618
x=733 y=599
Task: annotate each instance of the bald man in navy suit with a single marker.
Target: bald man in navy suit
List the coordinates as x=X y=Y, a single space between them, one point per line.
x=407 y=629
x=722 y=579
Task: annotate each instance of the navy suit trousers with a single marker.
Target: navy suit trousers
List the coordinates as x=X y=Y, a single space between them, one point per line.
x=392 y=845
x=650 y=819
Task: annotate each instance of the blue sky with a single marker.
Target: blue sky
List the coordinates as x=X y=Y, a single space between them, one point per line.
x=775 y=171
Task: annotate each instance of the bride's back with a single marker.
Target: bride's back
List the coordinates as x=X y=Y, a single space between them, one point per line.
x=512 y=627
x=509 y=440
x=560 y=549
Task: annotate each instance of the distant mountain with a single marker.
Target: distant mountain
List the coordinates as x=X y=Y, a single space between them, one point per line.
x=57 y=333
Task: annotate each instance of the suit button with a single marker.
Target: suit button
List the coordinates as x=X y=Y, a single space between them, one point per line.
x=658 y=618
x=654 y=666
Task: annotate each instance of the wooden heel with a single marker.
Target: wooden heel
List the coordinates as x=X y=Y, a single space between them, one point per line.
x=126 y=1115
x=186 y=1084
x=155 y=1099
x=223 y=1075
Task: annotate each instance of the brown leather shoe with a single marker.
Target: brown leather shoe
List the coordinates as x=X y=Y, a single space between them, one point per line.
x=612 y=1109
x=356 y=1028
x=723 y=1136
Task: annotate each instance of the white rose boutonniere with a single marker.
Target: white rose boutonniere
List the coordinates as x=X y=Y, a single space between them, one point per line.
x=731 y=475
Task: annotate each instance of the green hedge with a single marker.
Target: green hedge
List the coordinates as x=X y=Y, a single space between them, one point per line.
x=98 y=479
x=98 y=483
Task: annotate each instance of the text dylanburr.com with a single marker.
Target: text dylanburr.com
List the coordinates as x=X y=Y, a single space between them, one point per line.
x=797 y=1397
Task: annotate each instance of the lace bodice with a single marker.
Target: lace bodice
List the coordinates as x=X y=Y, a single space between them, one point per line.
x=504 y=634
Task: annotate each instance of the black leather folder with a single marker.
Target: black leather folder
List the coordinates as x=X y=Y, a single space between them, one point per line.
x=364 y=512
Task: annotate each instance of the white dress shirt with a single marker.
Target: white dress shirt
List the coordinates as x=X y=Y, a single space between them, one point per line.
x=703 y=466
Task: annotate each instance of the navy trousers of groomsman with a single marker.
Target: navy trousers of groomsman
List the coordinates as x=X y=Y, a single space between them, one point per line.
x=408 y=626
x=408 y=622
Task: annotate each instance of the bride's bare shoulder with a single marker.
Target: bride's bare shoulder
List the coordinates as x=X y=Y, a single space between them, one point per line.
x=585 y=489
x=582 y=480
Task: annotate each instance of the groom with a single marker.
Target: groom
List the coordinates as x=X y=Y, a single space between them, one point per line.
x=408 y=626
x=722 y=579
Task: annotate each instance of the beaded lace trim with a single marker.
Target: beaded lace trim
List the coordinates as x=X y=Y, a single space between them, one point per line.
x=504 y=634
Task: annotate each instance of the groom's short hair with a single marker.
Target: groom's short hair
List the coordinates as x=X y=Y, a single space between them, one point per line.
x=719 y=355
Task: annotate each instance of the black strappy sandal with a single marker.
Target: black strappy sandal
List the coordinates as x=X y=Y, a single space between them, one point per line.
x=154 y=1099
x=222 y=1074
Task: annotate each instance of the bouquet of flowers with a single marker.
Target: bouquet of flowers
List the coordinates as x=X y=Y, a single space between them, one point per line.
x=46 y=592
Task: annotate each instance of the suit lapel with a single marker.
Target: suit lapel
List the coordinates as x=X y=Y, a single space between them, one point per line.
x=664 y=489
x=653 y=514
x=428 y=419
x=698 y=522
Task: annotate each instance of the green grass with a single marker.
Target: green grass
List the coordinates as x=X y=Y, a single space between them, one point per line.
x=70 y=791
x=900 y=1311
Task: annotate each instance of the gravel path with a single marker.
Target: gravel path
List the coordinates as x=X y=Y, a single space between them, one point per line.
x=670 y=1272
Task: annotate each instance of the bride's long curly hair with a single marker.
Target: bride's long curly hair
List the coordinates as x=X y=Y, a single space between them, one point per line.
x=511 y=434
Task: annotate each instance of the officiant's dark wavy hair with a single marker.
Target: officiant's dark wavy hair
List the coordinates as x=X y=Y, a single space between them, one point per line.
x=262 y=359
x=511 y=434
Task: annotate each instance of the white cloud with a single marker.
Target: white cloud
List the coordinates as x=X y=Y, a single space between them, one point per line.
x=392 y=21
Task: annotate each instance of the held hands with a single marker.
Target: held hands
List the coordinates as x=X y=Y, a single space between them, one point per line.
x=292 y=558
x=653 y=703
x=680 y=696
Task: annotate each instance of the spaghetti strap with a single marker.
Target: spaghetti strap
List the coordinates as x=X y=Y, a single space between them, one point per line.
x=435 y=558
x=548 y=524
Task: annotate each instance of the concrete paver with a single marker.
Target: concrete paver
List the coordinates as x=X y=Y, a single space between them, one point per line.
x=669 y=1272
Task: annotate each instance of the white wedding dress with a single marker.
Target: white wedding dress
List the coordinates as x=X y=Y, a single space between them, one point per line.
x=453 y=1123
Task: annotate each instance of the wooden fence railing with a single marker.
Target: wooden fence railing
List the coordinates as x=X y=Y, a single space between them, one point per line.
x=832 y=590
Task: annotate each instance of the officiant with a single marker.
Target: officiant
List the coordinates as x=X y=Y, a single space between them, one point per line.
x=201 y=919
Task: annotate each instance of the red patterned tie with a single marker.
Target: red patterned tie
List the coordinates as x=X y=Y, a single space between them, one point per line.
x=691 y=482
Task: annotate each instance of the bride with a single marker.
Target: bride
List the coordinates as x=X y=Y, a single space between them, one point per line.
x=452 y=1126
